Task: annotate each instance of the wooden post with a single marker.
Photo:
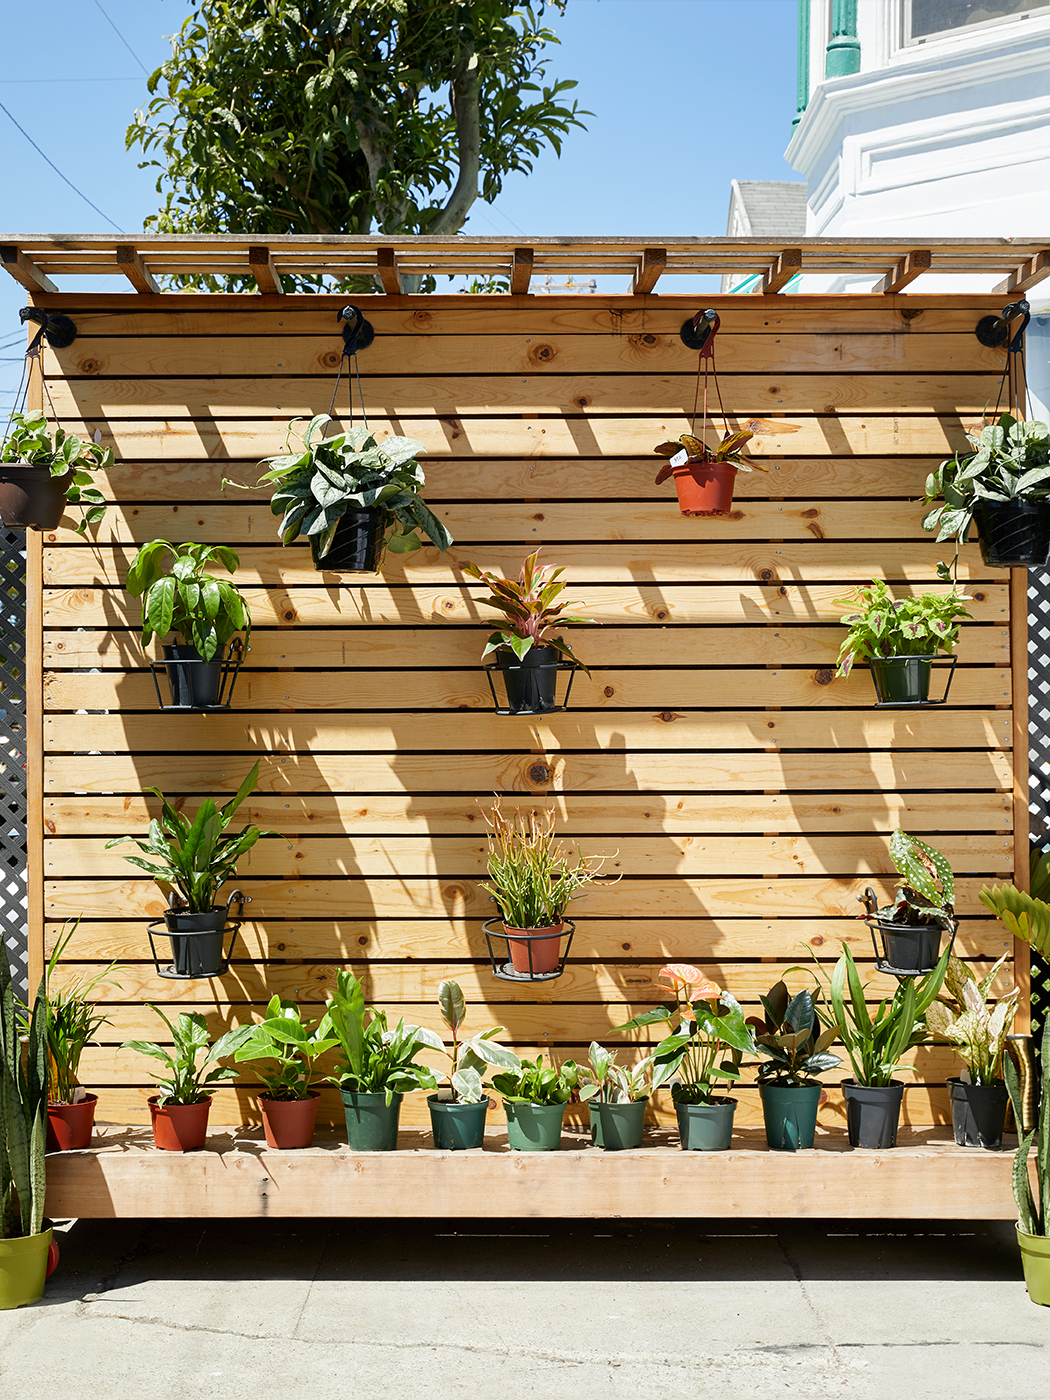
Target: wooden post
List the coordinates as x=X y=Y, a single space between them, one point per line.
x=34 y=731
x=1019 y=668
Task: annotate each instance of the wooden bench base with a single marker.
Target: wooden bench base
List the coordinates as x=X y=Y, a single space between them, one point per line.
x=925 y=1177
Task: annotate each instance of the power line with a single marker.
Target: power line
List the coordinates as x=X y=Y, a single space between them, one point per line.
x=58 y=172
x=124 y=41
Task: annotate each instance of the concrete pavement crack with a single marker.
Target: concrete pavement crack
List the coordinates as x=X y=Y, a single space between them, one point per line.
x=310 y=1285
x=818 y=1317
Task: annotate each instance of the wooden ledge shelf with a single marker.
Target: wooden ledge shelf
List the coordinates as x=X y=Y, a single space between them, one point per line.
x=925 y=1177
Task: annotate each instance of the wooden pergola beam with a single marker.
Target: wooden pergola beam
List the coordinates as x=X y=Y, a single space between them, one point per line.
x=788 y=263
x=264 y=270
x=652 y=264
x=386 y=261
x=521 y=271
x=914 y=265
x=130 y=262
x=25 y=272
x=1031 y=272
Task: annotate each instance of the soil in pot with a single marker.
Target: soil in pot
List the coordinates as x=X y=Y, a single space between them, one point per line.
x=705 y=488
x=191 y=680
x=901 y=680
x=457 y=1126
x=1035 y=1258
x=371 y=1122
x=872 y=1113
x=790 y=1115
x=357 y=545
x=978 y=1113
x=23 y=1269
x=197 y=942
x=544 y=945
x=1014 y=534
x=289 y=1123
x=534 y=1127
x=30 y=497
x=69 y=1125
x=531 y=682
x=179 y=1127
x=915 y=947
x=615 y=1126
x=706 y=1127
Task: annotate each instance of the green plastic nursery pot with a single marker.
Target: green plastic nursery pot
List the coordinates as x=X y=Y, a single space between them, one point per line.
x=457 y=1125
x=23 y=1268
x=901 y=680
x=371 y=1123
x=706 y=1127
x=615 y=1126
x=534 y=1127
x=872 y=1113
x=790 y=1113
x=1035 y=1257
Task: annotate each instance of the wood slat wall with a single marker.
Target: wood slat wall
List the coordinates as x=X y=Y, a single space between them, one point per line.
x=747 y=794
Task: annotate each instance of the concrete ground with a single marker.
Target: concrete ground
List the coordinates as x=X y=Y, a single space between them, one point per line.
x=541 y=1310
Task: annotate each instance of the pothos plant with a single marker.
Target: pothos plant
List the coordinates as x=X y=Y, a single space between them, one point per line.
x=1010 y=461
x=688 y=449
x=926 y=893
x=64 y=455
x=882 y=627
x=531 y=608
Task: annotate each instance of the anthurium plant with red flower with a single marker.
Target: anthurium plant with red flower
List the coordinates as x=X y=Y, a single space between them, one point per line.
x=702 y=1034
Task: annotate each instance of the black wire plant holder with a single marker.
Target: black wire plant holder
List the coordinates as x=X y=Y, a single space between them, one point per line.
x=505 y=969
x=882 y=962
x=230 y=667
x=230 y=927
x=523 y=672
x=883 y=703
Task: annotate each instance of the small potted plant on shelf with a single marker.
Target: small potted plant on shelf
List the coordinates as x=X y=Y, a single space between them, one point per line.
x=534 y=1099
x=1004 y=485
x=616 y=1096
x=457 y=1113
x=922 y=911
x=979 y=1095
x=204 y=612
x=704 y=479
x=794 y=1050
x=41 y=473
x=378 y=1065
x=901 y=638
x=532 y=878
x=527 y=653
x=289 y=1105
x=179 y=1110
x=191 y=861
x=1033 y=1209
x=691 y=1052
x=352 y=496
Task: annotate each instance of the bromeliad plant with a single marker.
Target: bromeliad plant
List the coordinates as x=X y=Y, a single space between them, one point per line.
x=205 y=611
x=61 y=453
x=531 y=608
x=793 y=1047
x=607 y=1082
x=536 y=1083
x=186 y=1081
x=293 y=1044
x=531 y=877
x=701 y=1035
x=470 y=1058
x=1022 y=915
x=926 y=893
x=729 y=450
x=1010 y=461
x=376 y=1060
x=963 y=1018
x=883 y=627
x=23 y=1111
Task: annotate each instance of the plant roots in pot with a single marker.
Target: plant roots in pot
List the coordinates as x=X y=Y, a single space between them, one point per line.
x=457 y=1126
x=1035 y=1258
x=790 y=1115
x=872 y=1113
x=1014 y=534
x=705 y=488
x=534 y=1127
x=357 y=545
x=706 y=1127
x=30 y=497
x=289 y=1123
x=69 y=1125
x=179 y=1127
x=531 y=681
x=371 y=1122
x=978 y=1113
x=23 y=1269
x=616 y=1126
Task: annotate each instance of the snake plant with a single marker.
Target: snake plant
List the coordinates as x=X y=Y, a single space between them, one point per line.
x=23 y=1112
x=1033 y=1209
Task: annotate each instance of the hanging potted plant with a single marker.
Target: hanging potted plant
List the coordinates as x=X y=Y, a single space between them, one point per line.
x=1003 y=485
x=352 y=497
x=204 y=613
x=794 y=1051
x=922 y=911
x=979 y=1095
x=704 y=479
x=532 y=878
x=527 y=653
x=41 y=473
x=534 y=1099
x=457 y=1113
x=289 y=1105
x=1033 y=1209
x=901 y=638
x=191 y=861
x=616 y=1096
x=701 y=1035
x=378 y=1066
x=179 y=1110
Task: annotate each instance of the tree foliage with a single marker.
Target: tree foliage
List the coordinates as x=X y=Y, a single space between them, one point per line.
x=347 y=116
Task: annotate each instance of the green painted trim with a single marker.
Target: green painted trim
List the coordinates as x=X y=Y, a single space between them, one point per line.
x=802 y=66
x=842 y=55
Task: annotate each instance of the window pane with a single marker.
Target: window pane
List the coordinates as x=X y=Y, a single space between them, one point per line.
x=937 y=16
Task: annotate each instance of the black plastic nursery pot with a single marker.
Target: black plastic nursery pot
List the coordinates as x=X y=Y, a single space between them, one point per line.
x=534 y=1127
x=905 y=680
x=531 y=683
x=872 y=1113
x=371 y=1122
x=978 y=1113
x=790 y=1115
x=1014 y=534
x=615 y=1126
x=196 y=684
x=908 y=950
x=457 y=1126
x=30 y=497
x=706 y=1127
x=198 y=941
x=357 y=545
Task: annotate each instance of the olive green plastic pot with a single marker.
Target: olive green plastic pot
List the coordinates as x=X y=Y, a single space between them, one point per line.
x=1035 y=1256
x=790 y=1113
x=457 y=1125
x=23 y=1269
x=706 y=1127
x=534 y=1127
x=371 y=1122
x=615 y=1126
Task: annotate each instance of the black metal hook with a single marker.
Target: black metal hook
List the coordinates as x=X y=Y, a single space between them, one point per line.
x=358 y=333
x=58 y=330
x=994 y=331
x=696 y=331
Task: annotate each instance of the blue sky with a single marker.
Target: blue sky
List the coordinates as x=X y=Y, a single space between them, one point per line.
x=686 y=95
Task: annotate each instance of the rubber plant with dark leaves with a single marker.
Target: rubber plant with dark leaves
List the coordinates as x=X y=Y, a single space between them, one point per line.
x=531 y=608
x=881 y=627
x=205 y=611
x=793 y=1047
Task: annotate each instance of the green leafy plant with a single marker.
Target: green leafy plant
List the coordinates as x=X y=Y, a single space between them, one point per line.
x=607 y=1082
x=1022 y=915
x=536 y=1083
x=186 y=1081
x=375 y=1059
x=790 y=1040
x=700 y=1036
x=962 y=1017
x=62 y=453
x=203 y=610
x=926 y=894
x=72 y=1022
x=881 y=626
x=470 y=1058
x=1010 y=461
x=531 y=877
x=294 y=1044
x=1033 y=1211
x=196 y=857
x=315 y=487
x=23 y=1111
x=730 y=450
x=531 y=609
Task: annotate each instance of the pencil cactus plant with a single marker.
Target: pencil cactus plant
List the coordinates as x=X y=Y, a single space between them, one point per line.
x=23 y=1112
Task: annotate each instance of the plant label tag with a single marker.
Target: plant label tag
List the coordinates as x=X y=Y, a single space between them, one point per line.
x=680 y=458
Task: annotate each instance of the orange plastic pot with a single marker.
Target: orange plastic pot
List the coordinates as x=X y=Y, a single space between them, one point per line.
x=705 y=488
x=545 y=944
x=69 y=1125
x=289 y=1122
x=180 y=1127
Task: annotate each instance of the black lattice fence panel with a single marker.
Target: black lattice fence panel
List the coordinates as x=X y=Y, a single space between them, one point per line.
x=12 y=754
x=1039 y=757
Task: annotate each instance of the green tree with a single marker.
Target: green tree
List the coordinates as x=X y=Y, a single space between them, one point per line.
x=347 y=116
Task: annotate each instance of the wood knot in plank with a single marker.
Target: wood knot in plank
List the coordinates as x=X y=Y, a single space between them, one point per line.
x=542 y=354
x=609 y=691
x=421 y=318
x=539 y=773
x=330 y=359
x=667 y=716
x=824 y=676
x=767 y=575
x=978 y=597
x=644 y=342
x=89 y=366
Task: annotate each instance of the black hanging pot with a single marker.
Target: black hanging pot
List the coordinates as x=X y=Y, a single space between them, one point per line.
x=872 y=1113
x=357 y=545
x=905 y=680
x=908 y=950
x=1014 y=534
x=198 y=940
x=531 y=681
x=978 y=1113
x=30 y=497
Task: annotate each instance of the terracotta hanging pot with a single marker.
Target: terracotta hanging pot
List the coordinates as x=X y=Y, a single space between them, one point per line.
x=705 y=488
x=544 y=945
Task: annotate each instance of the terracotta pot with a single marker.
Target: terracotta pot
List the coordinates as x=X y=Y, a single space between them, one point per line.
x=545 y=944
x=705 y=488
x=289 y=1122
x=181 y=1127
x=30 y=497
x=69 y=1125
